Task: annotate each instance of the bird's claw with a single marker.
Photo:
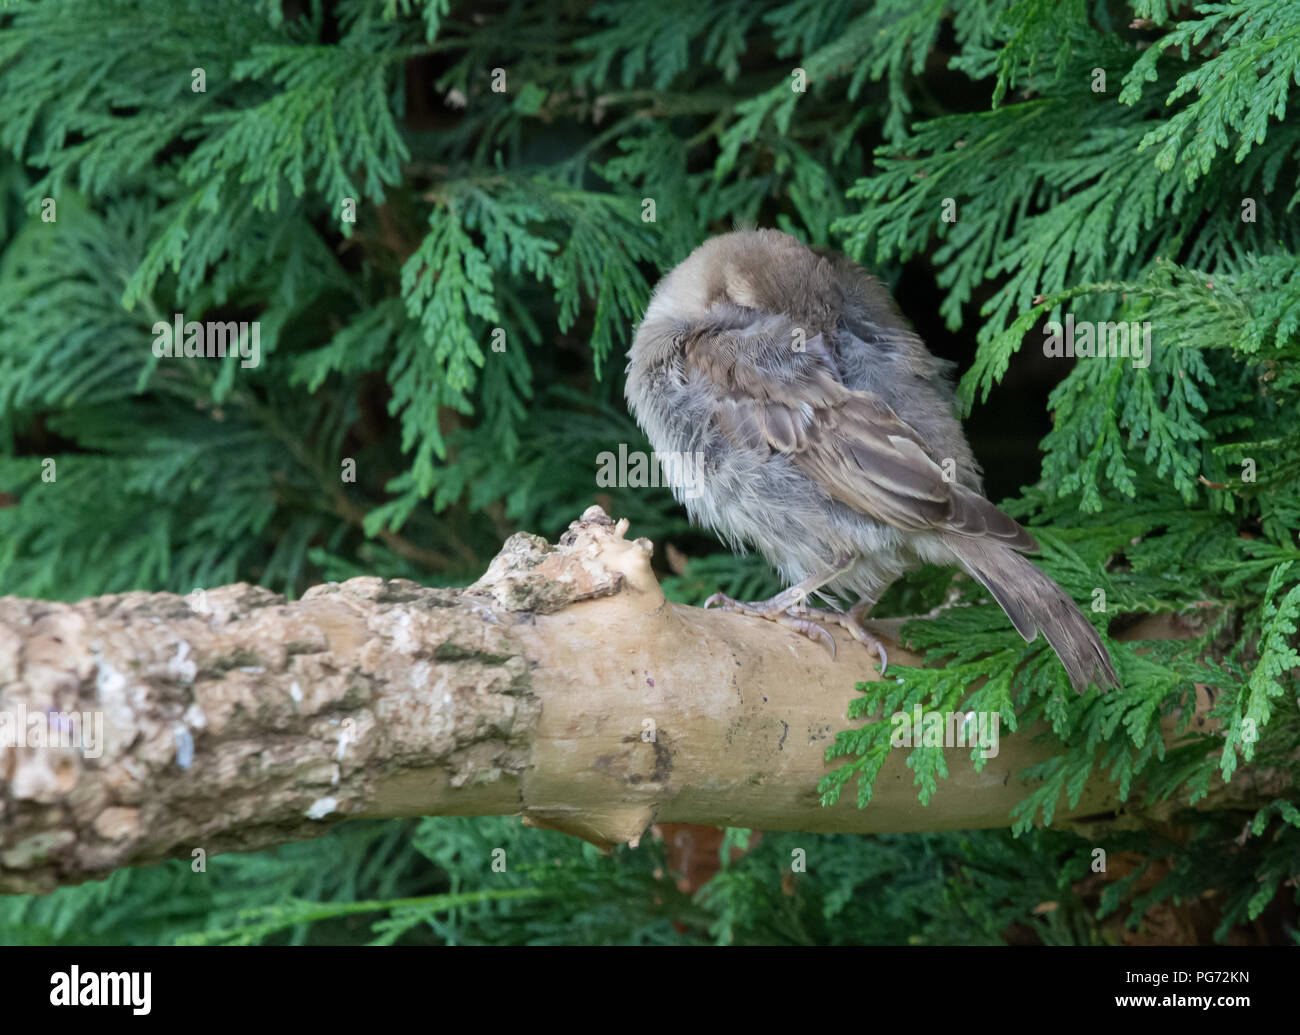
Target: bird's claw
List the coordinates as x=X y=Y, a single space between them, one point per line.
x=799 y=622
x=855 y=629
x=805 y=621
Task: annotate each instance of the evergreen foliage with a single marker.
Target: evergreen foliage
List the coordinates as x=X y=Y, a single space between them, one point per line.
x=1172 y=488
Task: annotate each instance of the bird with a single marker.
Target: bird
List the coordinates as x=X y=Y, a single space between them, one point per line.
x=829 y=441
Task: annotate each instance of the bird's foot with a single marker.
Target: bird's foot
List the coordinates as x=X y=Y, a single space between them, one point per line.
x=806 y=621
x=852 y=623
x=794 y=617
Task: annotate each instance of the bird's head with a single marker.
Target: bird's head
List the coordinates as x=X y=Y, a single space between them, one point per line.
x=764 y=270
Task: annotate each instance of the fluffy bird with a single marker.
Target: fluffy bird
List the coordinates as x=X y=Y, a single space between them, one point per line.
x=829 y=442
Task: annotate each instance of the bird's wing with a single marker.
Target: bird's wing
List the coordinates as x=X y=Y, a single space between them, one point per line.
x=779 y=393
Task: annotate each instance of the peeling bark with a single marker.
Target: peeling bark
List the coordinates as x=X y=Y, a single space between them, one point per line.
x=561 y=686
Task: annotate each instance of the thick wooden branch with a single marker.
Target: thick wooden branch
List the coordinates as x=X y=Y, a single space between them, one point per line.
x=562 y=686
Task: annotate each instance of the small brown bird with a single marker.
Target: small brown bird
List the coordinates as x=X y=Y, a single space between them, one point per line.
x=829 y=441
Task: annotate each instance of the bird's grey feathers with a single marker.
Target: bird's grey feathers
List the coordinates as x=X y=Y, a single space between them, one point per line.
x=1035 y=603
x=828 y=433
x=850 y=443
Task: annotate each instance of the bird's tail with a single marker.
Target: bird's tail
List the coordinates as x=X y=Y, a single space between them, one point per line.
x=1034 y=602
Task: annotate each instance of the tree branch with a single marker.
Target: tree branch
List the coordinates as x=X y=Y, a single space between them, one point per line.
x=562 y=686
